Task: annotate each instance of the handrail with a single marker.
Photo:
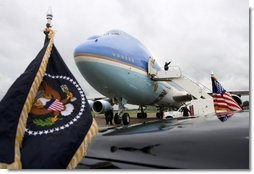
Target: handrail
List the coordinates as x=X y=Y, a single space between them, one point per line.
x=203 y=87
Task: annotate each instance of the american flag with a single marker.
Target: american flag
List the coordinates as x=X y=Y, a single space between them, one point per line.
x=56 y=105
x=224 y=116
x=223 y=101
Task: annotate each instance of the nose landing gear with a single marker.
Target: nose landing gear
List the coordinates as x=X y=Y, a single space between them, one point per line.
x=141 y=114
x=120 y=116
x=125 y=118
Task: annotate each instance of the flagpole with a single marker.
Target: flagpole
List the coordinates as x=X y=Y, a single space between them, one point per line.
x=48 y=30
x=49 y=17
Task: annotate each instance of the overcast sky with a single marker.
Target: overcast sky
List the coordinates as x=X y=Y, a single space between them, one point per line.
x=198 y=35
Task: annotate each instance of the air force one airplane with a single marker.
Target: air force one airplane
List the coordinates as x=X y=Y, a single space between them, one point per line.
x=120 y=67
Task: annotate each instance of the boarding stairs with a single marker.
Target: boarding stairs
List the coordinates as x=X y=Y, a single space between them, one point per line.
x=174 y=74
x=197 y=90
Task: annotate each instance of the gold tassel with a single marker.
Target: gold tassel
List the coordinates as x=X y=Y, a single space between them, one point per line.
x=81 y=152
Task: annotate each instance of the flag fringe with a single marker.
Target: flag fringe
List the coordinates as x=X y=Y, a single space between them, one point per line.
x=81 y=152
x=28 y=104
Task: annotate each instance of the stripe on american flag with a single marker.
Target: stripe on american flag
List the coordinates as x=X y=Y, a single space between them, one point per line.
x=226 y=102
x=56 y=106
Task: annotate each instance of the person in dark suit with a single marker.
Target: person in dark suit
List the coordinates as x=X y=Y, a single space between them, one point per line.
x=166 y=65
x=185 y=111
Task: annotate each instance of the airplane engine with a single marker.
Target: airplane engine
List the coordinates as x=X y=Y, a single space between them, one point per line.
x=90 y=102
x=237 y=99
x=101 y=106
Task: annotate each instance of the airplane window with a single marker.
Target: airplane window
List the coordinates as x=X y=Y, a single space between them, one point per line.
x=114 y=54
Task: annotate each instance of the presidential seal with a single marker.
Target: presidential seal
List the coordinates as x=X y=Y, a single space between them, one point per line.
x=58 y=104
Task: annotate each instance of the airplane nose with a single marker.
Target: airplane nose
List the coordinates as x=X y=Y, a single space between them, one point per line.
x=82 y=56
x=85 y=48
x=94 y=46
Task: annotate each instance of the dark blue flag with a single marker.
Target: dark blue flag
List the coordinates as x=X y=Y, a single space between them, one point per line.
x=59 y=125
x=14 y=109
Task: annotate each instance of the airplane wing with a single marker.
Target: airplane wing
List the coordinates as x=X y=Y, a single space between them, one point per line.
x=240 y=92
x=237 y=92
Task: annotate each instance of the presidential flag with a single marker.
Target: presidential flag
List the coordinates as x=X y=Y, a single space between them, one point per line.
x=47 y=125
x=15 y=106
x=223 y=101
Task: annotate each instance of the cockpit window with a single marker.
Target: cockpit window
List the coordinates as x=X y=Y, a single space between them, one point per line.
x=93 y=37
x=113 y=32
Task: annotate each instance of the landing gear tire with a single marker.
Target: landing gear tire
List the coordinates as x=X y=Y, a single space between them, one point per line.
x=117 y=119
x=126 y=119
x=141 y=115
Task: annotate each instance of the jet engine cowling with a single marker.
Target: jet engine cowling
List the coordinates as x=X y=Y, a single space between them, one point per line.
x=237 y=99
x=101 y=106
x=90 y=102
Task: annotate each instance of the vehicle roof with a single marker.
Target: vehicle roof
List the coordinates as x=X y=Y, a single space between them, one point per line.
x=193 y=143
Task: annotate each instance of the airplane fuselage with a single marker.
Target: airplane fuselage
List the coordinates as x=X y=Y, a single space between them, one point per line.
x=116 y=65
